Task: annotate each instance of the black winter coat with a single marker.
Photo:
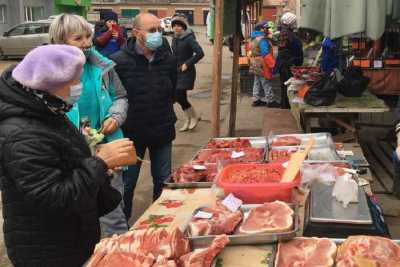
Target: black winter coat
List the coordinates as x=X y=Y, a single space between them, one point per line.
x=49 y=183
x=151 y=91
x=187 y=51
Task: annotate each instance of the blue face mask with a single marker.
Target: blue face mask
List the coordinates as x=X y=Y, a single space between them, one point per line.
x=153 y=40
x=74 y=94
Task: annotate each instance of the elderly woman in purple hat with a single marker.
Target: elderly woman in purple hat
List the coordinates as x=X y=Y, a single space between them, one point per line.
x=53 y=189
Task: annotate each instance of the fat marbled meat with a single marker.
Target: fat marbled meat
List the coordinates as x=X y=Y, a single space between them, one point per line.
x=223 y=221
x=374 y=251
x=204 y=257
x=274 y=216
x=153 y=248
x=307 y=252
x=187 y=173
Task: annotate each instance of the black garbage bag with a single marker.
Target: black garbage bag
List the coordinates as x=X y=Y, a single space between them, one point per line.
x=322 y=92
x=354 y=83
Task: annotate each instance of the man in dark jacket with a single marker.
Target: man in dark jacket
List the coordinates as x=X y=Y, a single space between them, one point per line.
x=188 y=52
x=148 y=72
x=111 y=37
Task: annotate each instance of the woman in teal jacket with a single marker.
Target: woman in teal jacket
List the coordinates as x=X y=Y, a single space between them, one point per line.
x=102 y=104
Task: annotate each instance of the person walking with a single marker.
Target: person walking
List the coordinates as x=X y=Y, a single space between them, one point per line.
x=53 y=189
x=187 y=52
x=290 y=53
x=261 y=64
x=103 y=104
x=111 y=37
x=148 y=71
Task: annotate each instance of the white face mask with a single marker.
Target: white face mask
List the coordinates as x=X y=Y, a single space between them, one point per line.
x=74 y=94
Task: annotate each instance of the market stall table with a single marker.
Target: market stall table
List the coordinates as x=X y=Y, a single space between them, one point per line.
x=345 y=111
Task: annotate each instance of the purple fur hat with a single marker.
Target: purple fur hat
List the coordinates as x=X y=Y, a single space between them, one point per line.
x=50 y=67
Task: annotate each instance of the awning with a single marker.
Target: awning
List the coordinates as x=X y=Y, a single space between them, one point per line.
x=337 y=18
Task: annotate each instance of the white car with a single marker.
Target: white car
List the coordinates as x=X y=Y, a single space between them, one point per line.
x=22 y=38
x=166 y=25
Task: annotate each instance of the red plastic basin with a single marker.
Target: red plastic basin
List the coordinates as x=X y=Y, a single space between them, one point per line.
x=254 y=192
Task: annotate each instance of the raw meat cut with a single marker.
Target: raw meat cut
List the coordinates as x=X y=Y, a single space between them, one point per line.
x=275 y=216
x=223 y=221
x=286 y=141
x=306 y=252
x=258 y=173
x=375 y=251
x=281 y=154
x=142 y=246
x=123 y=259
x=164 y=262
x=187 y=173
x=236 y=143
x=213 y=155
x=204 y=257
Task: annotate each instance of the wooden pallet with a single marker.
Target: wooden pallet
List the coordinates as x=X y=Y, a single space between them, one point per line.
x=378 y=152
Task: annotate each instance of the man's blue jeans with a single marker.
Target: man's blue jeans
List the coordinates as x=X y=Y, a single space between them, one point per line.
x=160 y=158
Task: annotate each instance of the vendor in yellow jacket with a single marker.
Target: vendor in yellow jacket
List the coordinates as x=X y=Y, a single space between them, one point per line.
x=261 y=64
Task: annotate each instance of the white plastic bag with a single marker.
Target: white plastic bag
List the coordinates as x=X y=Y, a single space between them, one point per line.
x=345 y=190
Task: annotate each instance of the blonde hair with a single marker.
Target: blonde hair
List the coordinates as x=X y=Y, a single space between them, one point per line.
x=64 y=25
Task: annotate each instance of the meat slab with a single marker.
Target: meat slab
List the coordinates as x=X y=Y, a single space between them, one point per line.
x=375 y=251
x=186 y=173
x=143 y=246
x=237 y=143
x=286 y=141
x=223 y=221
x=204 y=257
x=275 y=216
x=250 y=154
x=306 y=252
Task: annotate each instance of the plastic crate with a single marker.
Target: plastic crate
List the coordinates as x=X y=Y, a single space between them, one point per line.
x=256 y=193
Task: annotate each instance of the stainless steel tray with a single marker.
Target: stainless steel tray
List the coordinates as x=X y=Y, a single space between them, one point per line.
x=230 y=149
x=319 y=153
x=169 y=183
x=325 y=209
x=250 y=239
x=255 y=141
x=321 y=139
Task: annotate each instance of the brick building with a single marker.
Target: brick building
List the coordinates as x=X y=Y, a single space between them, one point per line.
x=274 y=8
x=195 y=10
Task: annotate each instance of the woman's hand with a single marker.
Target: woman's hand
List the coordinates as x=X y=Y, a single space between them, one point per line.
x=184 y=67
x=118 y=153
x=109 y=126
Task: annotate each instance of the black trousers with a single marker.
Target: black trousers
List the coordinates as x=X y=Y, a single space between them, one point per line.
x=182 y=99
x=285 y=74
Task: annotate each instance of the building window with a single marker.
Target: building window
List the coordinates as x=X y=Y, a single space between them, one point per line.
x=3 y=13
x=33 y=13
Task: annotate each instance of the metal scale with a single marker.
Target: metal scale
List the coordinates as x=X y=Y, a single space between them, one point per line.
x=326 y=217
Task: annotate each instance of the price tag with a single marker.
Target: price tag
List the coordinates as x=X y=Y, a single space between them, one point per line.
x=232 y=203
x=203 y=215
x=199 y=167
x=236 y=155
